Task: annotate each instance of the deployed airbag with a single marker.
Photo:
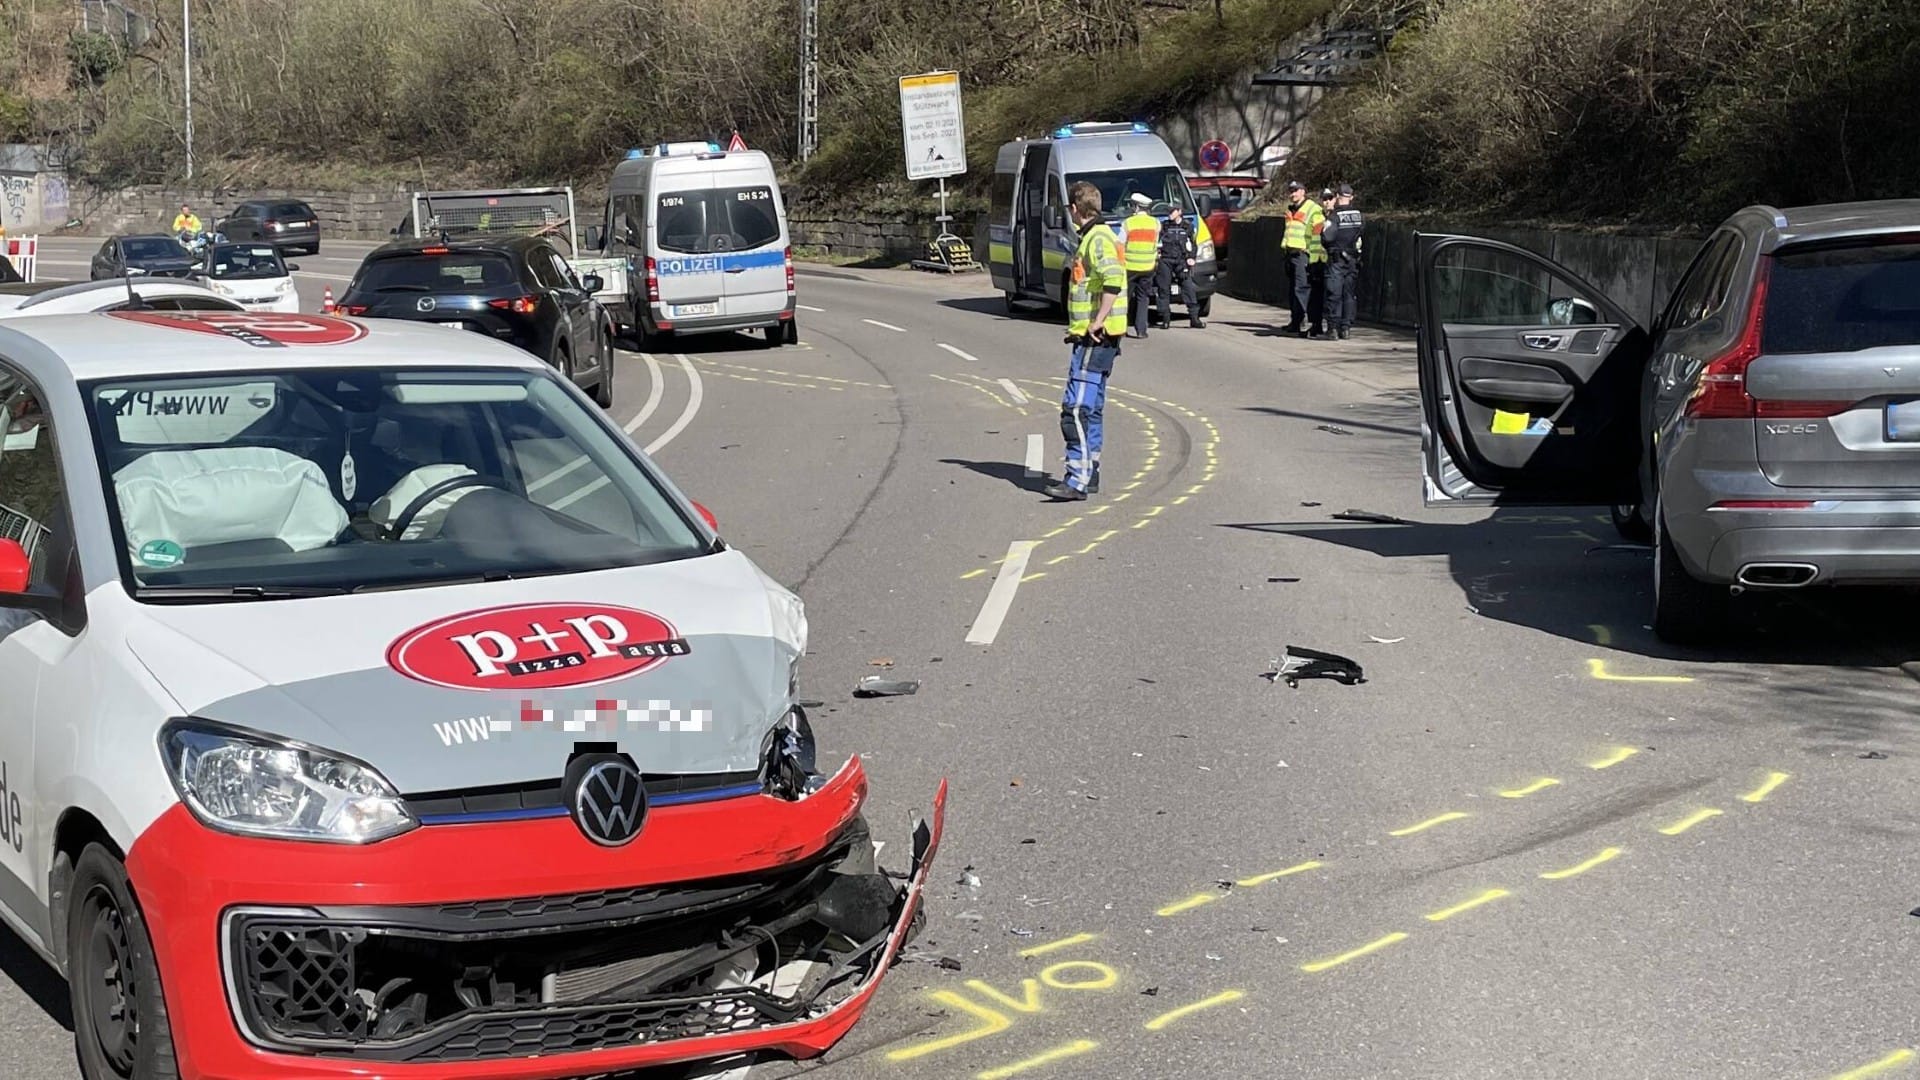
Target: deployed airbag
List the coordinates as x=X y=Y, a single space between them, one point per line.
x=221 y=495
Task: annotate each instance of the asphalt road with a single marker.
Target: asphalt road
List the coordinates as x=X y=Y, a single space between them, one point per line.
x=1535 y=842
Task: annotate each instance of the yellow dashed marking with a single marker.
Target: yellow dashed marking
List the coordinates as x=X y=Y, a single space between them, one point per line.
x=1487 y=897
x=1766 y=787
x=973 y=574
x=1034 y=577
x=1619 y=755
x=1054 y=533
x=1541 y=784
x=1088 y=548
x=1045 y=1057
x=1598 y=669
x=1058 y=559
x=1262 y=879
x=1143 y=523
x=1156 y=511
x=1189 y=903
x=1370 y=947
x=1100 y=509
x=1577 y=869
x=1451 y=815
x=1893 y=1060
x=1171 y=1015
x=1054 y=946
x=1181 y=499
x=1195 y=489
x=1690 y=821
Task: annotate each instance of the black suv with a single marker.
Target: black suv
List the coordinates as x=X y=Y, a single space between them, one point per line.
x=516 y=289
x=287 y=224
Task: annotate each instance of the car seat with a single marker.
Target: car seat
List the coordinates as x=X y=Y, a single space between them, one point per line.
x=230 y=500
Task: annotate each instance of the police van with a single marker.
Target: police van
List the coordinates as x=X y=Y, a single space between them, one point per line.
x=1030 y=240
x=705 y=231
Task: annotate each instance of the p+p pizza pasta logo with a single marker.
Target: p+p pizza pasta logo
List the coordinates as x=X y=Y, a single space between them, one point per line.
x=536 y=647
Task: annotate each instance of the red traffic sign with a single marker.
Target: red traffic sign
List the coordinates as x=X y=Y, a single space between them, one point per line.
x=1215 y=155
x=736 y=143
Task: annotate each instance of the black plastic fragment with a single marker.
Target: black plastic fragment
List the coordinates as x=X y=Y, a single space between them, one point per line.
x=1370 y=517
x=1300 y=662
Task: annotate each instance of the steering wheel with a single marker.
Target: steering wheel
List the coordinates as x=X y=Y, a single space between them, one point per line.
x=424 y=499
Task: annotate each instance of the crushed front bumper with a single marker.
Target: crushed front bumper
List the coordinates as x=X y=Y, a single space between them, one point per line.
x=520 y=949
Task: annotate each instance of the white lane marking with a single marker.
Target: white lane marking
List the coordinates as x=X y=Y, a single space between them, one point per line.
x=885 y=326
x=1000 y=598
x=808 y=307
x=653 y=394
x=313 y=274
x=968 y=357
x=557 y=473
x=686 y=415
x=1018 y=397
x=1036 y=451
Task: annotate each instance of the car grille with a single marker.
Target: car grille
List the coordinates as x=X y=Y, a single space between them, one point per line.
x=662 y=790
x=515 y=976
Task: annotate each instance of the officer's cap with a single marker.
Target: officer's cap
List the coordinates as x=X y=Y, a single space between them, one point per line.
x=1346 y=189
x=1140 y=198
x=1295 y=185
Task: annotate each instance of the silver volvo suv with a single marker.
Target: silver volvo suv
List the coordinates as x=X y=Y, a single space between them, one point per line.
x=1764 y=433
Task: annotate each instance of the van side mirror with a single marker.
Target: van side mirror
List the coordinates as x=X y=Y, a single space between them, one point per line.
x=1053 y=218
x=706 y=515
x=592 y=283
x=596 y=238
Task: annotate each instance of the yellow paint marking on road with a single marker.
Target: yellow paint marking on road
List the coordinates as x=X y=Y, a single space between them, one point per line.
x=1602 y=636
x=1451 y=815
x=1180 y=499
x=1070 y=522
x=1772 y=781
x=1168 y=1017
x=1123 y=497
x=1370 y=947
x=1262 y=879
x=1054 y=533
x=1101 y=509
x=1045 y=1057
x=1143 y=523
x=1541 y=784
x=1618 y=755
x=1487 y=897
x=1056 y=946
x=980 y=389
x=1577 y=869
x=1156 y=511
x=1108 y=535
x=1891 y=1061
x=1598 y=669
x=1690 y=821
x=1088 y=548
x=991 y=1023
x=973 y=574
x=1058 y=559
x=1034 y=577
x=1189 y=903
x=1195 y=489
x=1133 y=485
x=1138 y=475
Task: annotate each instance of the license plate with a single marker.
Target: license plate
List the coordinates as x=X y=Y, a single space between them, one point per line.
x=683 y=310
x=1903 y=421
x=457 y=324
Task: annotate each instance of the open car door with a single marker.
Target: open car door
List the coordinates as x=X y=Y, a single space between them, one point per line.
x=1529 y=379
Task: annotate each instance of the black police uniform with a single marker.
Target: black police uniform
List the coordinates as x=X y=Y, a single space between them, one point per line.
x=1176 y=247
x=1342 y=240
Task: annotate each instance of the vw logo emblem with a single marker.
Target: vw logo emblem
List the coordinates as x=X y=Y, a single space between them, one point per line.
x=606 y=798
x=426 y=303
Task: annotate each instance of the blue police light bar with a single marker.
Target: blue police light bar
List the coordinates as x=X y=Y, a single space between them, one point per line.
x=1068 y=131
x=636 y=153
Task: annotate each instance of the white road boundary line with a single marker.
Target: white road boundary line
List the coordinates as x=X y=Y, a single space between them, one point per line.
x=320 y=276
x=1036 y=450
x=809 y=307
x=687 y=414
x=653 y=394
x=968 y=357
x=1019 y=398
x=885 y=326
x=986 y=626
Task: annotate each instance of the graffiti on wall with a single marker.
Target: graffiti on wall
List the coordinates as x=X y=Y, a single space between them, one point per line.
x=18 y=205
x=53 y=199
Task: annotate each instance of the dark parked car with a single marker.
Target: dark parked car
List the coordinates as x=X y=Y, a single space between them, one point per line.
x=516 y=289
x=288 y=225
x=153 y=254
x=1763 y=433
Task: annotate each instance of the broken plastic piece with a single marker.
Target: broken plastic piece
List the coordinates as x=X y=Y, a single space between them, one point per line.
x=1370 y=517
x=875 y=686
x=1282 y=580
x=1385 y=640
x=1298 y=662
x=1308 y=502
x=1873 y=755
x=1018 y=932
x=1332 y=429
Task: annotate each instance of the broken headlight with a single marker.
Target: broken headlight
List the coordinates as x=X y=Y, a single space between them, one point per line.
x=787 y=758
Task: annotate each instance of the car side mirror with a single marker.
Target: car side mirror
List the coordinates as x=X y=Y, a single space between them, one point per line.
x=596 y=237
x=592 y=283
x=15 y=570
x=706 y=515
x=292 y=267
x=1570 y=311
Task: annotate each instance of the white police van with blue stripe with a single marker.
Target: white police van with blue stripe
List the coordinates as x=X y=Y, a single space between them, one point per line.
x=706 y=233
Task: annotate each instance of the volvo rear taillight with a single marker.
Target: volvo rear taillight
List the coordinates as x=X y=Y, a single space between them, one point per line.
x=519 y=305
x=653 y=281
x=1722 y=393
x=789 y=271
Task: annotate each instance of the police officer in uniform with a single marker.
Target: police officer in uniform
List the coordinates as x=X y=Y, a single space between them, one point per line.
x=1142 y=233
x=1342 y=240
x=1096 y=321
x=1177 y=248
x=1305 y=220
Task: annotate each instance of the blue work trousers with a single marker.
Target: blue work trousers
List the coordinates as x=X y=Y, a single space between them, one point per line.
x=1080 y=411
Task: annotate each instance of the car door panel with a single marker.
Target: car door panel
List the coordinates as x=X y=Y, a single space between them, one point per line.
x=1529 y=379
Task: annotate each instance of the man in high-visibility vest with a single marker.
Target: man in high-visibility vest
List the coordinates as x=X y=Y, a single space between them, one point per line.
x=186 y=223
x=1305 y=220
x=1096 y=321
x=1142 y=254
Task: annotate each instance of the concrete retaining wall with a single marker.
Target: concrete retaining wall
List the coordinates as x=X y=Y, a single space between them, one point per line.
x=363 y=215
x=1637 y=272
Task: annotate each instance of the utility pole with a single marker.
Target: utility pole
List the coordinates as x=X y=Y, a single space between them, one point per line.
x=186 y=67
x=809 y=78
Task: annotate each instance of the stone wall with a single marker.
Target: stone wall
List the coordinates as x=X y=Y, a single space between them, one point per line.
x=1636 y=272
x=367 y=215
x=881 y=239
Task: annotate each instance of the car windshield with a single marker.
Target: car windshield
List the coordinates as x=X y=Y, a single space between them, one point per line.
x=1840 y=299
x=453 y=272
x=301 y=482
x=718 y=219
x=229 y=262
x=1163 y=185
x=153 y=247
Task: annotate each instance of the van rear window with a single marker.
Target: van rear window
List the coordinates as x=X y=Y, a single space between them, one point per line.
x=717 y=219
x=455 y=272
x=1840 y=299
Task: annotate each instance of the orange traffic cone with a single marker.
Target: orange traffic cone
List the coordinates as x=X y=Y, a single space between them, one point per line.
x=326 y=302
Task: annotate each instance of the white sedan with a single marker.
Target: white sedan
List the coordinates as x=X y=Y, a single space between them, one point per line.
x=252 y=275
x=110 y=294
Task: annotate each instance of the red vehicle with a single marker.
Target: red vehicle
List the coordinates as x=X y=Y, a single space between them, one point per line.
x=1221 y=197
